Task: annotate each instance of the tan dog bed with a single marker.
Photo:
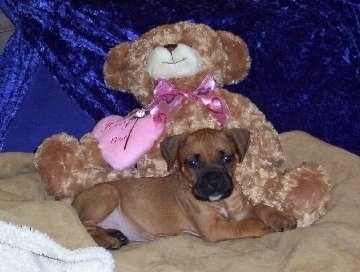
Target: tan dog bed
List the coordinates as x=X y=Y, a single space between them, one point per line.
x=332 y=244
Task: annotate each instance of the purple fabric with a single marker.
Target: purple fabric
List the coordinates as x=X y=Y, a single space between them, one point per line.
x=305 y=69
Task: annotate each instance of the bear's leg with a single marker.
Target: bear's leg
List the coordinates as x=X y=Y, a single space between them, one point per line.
x=309 y=194
x=92 y=152
x=57 y=159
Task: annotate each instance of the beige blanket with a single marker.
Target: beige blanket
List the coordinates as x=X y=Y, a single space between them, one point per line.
x=332 y=244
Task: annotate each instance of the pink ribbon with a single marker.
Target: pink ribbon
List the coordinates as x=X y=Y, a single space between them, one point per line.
x=169 y=99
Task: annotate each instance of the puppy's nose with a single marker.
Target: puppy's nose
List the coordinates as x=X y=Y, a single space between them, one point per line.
x=212 y=180
x=213 y=185
x=171 y=47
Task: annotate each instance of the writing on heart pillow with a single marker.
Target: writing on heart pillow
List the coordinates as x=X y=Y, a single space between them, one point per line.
x=124 y=140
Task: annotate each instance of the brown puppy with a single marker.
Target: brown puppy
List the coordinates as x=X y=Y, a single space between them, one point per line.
x=200 y=197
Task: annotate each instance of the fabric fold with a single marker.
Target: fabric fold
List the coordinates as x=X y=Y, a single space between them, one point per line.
x=25 y=249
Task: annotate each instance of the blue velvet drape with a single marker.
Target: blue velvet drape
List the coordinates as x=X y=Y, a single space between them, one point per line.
x=305 y=70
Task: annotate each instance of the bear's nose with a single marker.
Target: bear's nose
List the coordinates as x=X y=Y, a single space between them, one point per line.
x=171 y=47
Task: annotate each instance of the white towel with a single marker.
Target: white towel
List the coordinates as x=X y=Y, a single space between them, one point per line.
x=24 y=249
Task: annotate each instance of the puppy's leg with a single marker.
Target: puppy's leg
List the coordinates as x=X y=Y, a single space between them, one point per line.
x=219 y=229
x=275 y=219
x=251 y=221
x=93 y=206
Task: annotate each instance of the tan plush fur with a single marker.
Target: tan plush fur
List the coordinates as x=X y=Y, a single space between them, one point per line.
x=68 y=166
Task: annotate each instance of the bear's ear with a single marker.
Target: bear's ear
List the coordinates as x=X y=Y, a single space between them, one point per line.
x=238 y=57
x=114 y=67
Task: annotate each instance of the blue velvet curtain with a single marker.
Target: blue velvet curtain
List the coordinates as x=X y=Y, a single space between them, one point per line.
x=305 y=70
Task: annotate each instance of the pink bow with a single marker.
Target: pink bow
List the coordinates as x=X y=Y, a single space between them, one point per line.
x=169 y=99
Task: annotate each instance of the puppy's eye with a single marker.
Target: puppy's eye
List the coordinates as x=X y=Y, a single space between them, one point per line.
x=192 y=163
x=227 y=159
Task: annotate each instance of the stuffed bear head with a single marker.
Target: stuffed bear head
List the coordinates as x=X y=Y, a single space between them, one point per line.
x=183 y=53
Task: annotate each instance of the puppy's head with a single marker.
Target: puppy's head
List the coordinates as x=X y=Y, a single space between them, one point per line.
x=207 y=159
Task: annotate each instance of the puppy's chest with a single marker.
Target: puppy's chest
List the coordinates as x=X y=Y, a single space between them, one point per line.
x=231 y=209
x=224 y=212
x=116 y=220
x=228 y=214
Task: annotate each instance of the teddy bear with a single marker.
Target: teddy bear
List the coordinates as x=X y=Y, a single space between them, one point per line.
x=177 y=72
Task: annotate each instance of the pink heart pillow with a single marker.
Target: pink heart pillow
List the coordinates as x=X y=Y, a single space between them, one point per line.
x=124 y=140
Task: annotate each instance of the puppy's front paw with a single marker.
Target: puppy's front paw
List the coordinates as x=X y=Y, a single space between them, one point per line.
x=122 y=240
x=109 y=238
x=280 y=221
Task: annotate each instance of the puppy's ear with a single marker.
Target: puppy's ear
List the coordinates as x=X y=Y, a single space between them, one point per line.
x=241 y=138
x=169 y=149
